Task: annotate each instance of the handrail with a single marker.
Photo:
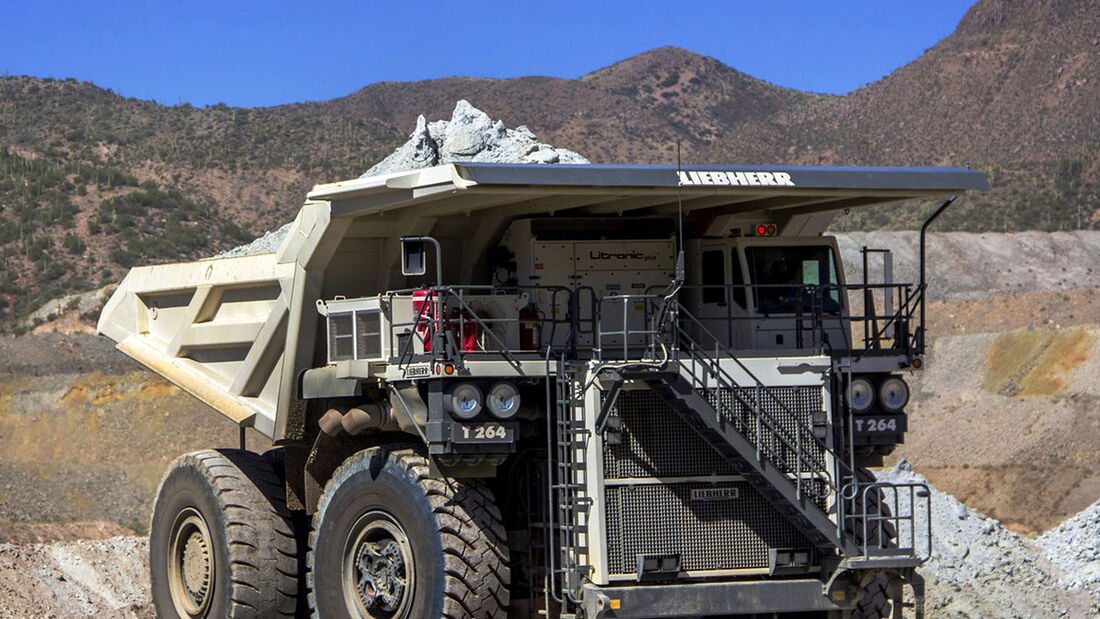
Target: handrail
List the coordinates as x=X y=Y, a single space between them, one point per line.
x=732 y=385
x=809 y=304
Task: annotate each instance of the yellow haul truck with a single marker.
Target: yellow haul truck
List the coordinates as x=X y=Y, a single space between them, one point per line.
x=563 y=390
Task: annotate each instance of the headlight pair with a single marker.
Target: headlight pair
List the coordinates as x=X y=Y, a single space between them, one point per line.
x=465 y=401
x=892 y=394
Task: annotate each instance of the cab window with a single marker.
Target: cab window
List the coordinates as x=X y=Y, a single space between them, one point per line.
x=785 y=277
x=738 y=279
x=714 y=276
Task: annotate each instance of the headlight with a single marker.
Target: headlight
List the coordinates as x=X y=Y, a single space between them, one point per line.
x=463 y=401
x=861 y=395
x=893 y=394
x=503 y=400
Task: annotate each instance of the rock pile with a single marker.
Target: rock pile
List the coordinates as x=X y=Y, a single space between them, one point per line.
x=470 y=135
x=979 y=568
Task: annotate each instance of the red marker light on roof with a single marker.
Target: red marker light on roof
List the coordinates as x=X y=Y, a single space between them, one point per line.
x=761 y=230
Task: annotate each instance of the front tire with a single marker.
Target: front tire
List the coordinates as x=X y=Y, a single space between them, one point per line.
x=876 y=599
x=221 y=542
x=390 y=541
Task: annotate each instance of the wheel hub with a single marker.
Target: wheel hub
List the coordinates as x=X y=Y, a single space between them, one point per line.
x=378 y=568
x=190 y=564
x=382 y=578
x=196 y=565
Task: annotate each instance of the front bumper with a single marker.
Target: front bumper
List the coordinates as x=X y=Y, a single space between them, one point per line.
x=703 y=599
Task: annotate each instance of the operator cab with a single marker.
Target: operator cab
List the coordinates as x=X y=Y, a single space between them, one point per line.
x=761 y=295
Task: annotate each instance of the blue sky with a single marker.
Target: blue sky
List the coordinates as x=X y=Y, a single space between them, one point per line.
x=251 y=53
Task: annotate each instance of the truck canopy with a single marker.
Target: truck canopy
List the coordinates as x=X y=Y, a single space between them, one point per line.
x=238 y=332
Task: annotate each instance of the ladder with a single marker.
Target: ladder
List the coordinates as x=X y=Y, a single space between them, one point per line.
x=569 y=483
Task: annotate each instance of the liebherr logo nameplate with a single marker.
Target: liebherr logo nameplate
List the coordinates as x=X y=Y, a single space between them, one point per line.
x=750 y=179
x=714 y=494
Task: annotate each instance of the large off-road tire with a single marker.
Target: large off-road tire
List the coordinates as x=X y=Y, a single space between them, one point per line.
x=389 y=541
x=875 y=598
x=221 y=542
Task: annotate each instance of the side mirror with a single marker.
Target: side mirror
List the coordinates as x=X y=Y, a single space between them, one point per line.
x=413 y=257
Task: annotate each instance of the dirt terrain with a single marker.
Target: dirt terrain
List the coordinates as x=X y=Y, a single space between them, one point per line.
x=85 y=434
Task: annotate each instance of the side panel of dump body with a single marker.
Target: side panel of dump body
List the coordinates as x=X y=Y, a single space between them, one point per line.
x=216 y=328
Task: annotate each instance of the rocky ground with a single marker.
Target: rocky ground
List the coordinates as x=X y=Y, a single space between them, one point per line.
x=83 y=578
x=980 y=568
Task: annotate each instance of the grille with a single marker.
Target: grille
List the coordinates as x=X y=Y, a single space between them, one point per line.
x=354 y=335
x=789 y=407
x=707 y=534
x=657 y=443
x=368 y=344
x=662 y=518
x=340 y=337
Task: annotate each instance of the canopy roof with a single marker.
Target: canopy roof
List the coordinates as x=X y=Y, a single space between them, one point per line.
x=618 y=189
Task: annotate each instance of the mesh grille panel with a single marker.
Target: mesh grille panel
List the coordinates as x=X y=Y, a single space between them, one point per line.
x=662 y=518
x=657 y=443
x=803 y=402
x=368 y=333
x=340 y=337
x=707 y=534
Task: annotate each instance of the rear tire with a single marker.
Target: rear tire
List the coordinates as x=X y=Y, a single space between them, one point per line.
x=390 y=541
x=221 y=543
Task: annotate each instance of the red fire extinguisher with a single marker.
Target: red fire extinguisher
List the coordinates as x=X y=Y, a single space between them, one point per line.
x=529 y=328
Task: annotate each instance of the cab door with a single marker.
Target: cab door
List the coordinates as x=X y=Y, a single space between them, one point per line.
x=720 y=296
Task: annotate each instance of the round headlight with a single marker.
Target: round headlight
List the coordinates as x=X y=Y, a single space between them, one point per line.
x=463 y=401
x=861 y=395
x=893 y=394
x=503 y=400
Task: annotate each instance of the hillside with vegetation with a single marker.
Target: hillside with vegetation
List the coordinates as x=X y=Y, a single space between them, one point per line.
x=92 y=182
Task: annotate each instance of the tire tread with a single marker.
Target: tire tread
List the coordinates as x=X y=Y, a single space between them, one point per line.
x=475 y=547
x=264 y=572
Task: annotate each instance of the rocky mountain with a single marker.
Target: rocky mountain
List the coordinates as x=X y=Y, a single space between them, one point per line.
x=92 y=182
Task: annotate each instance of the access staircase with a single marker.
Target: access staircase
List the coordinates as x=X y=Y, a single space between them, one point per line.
x=787 y=465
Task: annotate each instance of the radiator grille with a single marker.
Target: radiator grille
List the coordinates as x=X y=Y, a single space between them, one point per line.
x=652 y=518
x=789 y=407
x=707 y=534
x=657 y=443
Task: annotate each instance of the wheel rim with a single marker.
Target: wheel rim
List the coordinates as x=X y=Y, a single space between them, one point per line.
x=378 y=570
x=190 y=564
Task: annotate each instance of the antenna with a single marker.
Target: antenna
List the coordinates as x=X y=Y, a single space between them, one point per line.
x=680 y=212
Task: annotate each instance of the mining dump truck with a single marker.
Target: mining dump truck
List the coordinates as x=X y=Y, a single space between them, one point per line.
x=546 y=391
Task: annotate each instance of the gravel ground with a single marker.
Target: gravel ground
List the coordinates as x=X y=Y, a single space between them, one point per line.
x=87 y=578
x=979 y=568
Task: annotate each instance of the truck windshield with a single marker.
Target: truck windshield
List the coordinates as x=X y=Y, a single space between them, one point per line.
x=783 y=277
